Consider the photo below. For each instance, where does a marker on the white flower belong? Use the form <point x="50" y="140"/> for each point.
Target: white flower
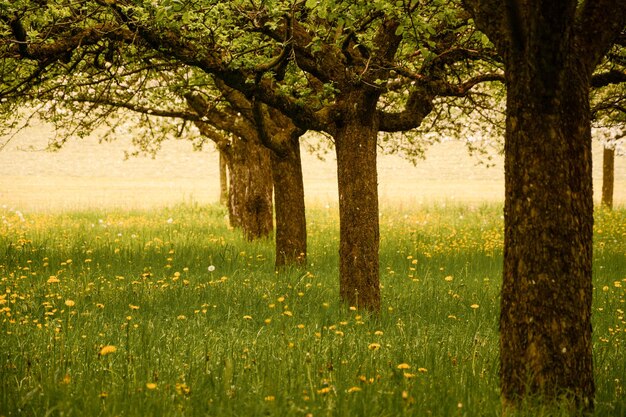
<point x="211" y="268"/>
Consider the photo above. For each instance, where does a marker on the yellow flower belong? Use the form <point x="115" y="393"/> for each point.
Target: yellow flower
<point x="151" y="385"/>
<point x="354" y="389"/>
<point x="404" y="366"/>
<point x="448" y="278"/>
<point x="270" y="398"/>
<point x="132" y="307"/>
<point x="53" y="280"/>
<point x="474" y="306"/>
<point x="324" y="390"/>
<point x="408" y="375"/>
<point x="107" y="349"/>
<point x="373" y="346"/>
<point x="247" y="317"/>
<point x="70" y="303"/>
<point x="422" y="370"/>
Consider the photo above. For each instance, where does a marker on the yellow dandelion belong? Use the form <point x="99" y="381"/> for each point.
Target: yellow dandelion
<point x="107" y="349"/>
<point x="246" y="317"/>
<point x="354" y="389"/>
<point x="404" y="366"/>
<point x="100" y="305"/>
<point x="267" y="321"/>
<point x="270" y="398"/>
<point x="449" y="278"/>
<point x="151" y="385"/>
<point x="408" y="375"/>
<point x="70" y="303"/>
<point x="323" y="391"/>
<point x="288" y="313"/>
<point x="378" y="333"/>
<point x="53" y="280"/>
<point x="422" y="370"/>
<point x="300" y="326"/>
<point x="280" y="299"/>
<point x="67" y="379"/>
<point x="181" y="317"/>
<point x="474" y="306"/>
<point x="103" y="394"/>
<point x="373" y="346"/>
<point x="133" y="307"/>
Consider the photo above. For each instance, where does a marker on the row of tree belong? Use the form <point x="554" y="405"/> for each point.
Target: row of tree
<point x="253" y="76"/>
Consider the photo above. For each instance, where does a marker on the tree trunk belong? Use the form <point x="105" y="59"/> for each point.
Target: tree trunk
<point x="289" y="200"/>
<point x="608" y="177"/>
<point x="545" y="320"/>
<point x="355" y="143"/>
<point x="250" y="197"/>
<point x="223" y="179"/>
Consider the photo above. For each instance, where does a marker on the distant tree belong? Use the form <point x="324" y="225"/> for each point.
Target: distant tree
<point x="550" y="50"/>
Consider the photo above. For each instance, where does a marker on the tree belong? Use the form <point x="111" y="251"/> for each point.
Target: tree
<point x="550" y="50"/>
<point x="326" y="66"/>
<point x="342" y="55"/>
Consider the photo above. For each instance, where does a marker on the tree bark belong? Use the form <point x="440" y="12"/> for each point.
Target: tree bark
<point x="355" y="144"/>
<point x="291" y="239"/>
<point x="250" y="198"/>
<point x="608" y="177"/>
<point x="545" y="320"/>
<point x="223" y="179"/>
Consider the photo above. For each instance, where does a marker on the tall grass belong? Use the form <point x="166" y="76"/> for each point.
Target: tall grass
<point x="117" y="313"/>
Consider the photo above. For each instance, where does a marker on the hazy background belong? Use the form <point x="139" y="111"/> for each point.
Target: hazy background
<point x="86" y="174"/>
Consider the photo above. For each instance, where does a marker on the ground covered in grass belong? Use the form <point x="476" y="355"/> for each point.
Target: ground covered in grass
<point x="170" y="313"/>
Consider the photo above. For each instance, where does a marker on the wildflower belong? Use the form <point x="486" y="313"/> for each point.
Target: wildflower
<point x="474" y="306"/>
<point x="323" y="391"/>
<point x="107" y="349"/>
<point x="373" y="346"/>
<point x="448" y="278"/>
<point x="133" y="307"/>
<point x="181" y="317"/>
<point x="422" y="370"/>
<point x="67" y="379"/>
<point x="182" y="388"/>
<point x="408" y="375"/>
<point x="404" y="366"/>
<point x="300" y="326"/>
<point x="151" y="385"/>
<point x="211" y="268"/>
<point x="354" y="389"/>
<point x="70" y="303"/>
<point x="247" y="317"/>
<point x="378" y="333"/>
<point x="53" y="280"/>
<point x="270" y="398"/>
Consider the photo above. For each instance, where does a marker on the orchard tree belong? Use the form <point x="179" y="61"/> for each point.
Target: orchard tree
<point x="550" y="50"/>
<point x="326" y="65"/>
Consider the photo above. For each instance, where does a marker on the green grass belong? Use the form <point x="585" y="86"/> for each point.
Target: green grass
<point x="244" y="341"/>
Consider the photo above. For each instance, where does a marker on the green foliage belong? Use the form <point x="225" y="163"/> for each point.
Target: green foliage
<point x="242" y="340"/>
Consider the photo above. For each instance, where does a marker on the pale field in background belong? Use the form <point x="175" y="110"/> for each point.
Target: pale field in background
<point x="88" y="174"/>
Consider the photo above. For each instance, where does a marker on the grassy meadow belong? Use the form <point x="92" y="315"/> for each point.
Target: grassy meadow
<point x="167" y="312"/>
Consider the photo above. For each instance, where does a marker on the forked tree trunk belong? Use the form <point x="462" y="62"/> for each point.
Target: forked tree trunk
<point x="608" y="177"/>
<point x="545" y="321"/>
<point x="355" y="143"/>
<point x="223" y="179"/>
<point x="291" y="237"/>
<point x="250" y="199"/>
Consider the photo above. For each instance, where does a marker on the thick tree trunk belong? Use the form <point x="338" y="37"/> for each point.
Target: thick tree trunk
<point x="250" y="198"/>
<point x="223" y="179"/>
<point x="608" y="177"/>
<point x="289" y="201"/>
<point x="355" y="143"/>
<point x="545" y="321"/>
